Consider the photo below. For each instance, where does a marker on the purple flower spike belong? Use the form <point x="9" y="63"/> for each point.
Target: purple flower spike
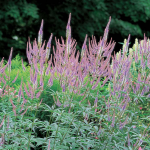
<point x="68" y="25"/>
<point x="63" y="90"/>
<point x="9" y="61"/>
<point x="106" y="30"/>
<point x="24" y="111"/>
<point x="26" y="90"/>
<point x="50" y="81"/>
<point x="48" y="47"/>
<point x="15" y="78"/>
<point x="8" y="124"/>
<point x="68" y="35"/>
<point x="84" y="46"/>
<point x="35" y="78"/>
<point x="38" y="94"/>
<point x="20" y="91"/>
<point x="99" y="132"/>
<point x="31" y="75"/>
<point x="123" y="124"/>
<point x="41" y="81"/>
<point x="40" y="36"/>
<point x="58" y="103"/>
<point x="96" y="100"/>
<point x="123" y="108"/>
<point x="24" y="100"/>
<point x="2" y="122"/>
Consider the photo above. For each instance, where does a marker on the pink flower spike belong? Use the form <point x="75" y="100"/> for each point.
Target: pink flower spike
<point x="40" y="35"/>
<point x="49" y="145"/>
<point x="15" y="78"/>
<point x="2" y="122"/>
<point x="140" y="107"/>
<point x="140" y="148"/>
<point x="9" y="60"/>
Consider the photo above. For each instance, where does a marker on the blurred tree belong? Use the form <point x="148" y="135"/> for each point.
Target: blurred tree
<point x="17" y="20"/>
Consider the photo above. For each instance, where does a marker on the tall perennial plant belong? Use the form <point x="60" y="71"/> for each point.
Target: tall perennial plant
<point x="88" y="112"/>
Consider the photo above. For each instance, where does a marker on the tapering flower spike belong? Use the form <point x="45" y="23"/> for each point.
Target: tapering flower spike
<point x="2" y="122"/>
<point x="9" y="61"/>
<point x="106" y="30"/>
<point x="48" y="47"/>
<point x="68" y="35"/>
<point x="15" y="78"/>
<point x="40" y="35"/>
<point x="125" y="46"/>
<point x="84" y="46"/>
<point x="20" y="90"/>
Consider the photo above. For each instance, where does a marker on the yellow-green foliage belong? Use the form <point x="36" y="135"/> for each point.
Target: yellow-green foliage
<point x="16" y="65"/>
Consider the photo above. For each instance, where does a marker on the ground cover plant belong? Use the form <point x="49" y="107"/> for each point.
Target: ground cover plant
<point x="69" y="106"/>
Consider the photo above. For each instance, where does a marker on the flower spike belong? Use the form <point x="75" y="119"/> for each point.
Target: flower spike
<point x="40" y="36"/>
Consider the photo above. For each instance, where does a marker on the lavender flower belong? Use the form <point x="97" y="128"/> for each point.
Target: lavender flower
<point x="84" y="46"/>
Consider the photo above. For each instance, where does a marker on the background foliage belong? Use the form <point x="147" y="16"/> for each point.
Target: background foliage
<point x="21" y="19"/>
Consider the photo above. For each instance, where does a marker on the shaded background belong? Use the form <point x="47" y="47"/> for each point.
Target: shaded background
<point x="20" y="19"/>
